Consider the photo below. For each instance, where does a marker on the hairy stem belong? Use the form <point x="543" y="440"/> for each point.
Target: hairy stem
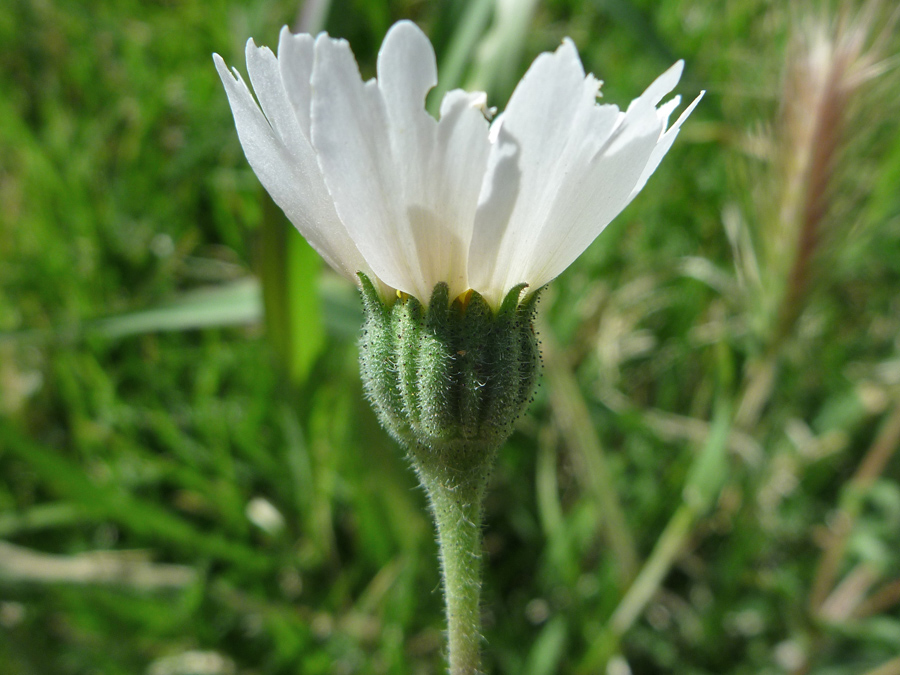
<point x="457" y="513"/>
<point x="456" y="482"/>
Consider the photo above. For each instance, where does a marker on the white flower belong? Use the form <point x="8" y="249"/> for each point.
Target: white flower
<point x="377" y="185"/>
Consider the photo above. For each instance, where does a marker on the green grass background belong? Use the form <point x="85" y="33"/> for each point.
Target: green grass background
<point x="172" y="351"/>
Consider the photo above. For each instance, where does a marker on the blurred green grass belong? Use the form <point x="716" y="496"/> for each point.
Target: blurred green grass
<point x="133" y="423"/>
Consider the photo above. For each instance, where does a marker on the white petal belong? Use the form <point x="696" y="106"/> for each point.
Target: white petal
<point x="641" y="119"/>
<point x="661" y="86"/>
<point x="292" y="179"/>
<point x="407" y="70"/>
<point x="440" y="165"/>
<point x="666" y="109"/>
<point x="552" y="124"/>
<point x="595" y="193"/>
<point x="265" y="76"/>
<point x="458" y="163"/>
<point x="561" y="168"/>
<point x="405" y="185"/>
<point x="295" y="59"/>
<point x="349" y="134"/>
<point x="662" y="147"/>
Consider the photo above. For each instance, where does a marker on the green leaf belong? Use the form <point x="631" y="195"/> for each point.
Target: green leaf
<point x="232" y="304"/>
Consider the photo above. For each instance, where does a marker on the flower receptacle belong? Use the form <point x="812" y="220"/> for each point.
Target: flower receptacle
<point x="453" y="376"/>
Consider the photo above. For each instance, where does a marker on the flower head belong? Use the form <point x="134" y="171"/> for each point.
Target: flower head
<point x="379" y="186"/>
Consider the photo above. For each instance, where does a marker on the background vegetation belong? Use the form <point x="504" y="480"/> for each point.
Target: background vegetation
<point x="706" y="482"/>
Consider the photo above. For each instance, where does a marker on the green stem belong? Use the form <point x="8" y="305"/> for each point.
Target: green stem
<point x="668" y="547"/>
<point x="702" y="486"/>
<point x="456" y="485"/>
<point x="575" y="424"/>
